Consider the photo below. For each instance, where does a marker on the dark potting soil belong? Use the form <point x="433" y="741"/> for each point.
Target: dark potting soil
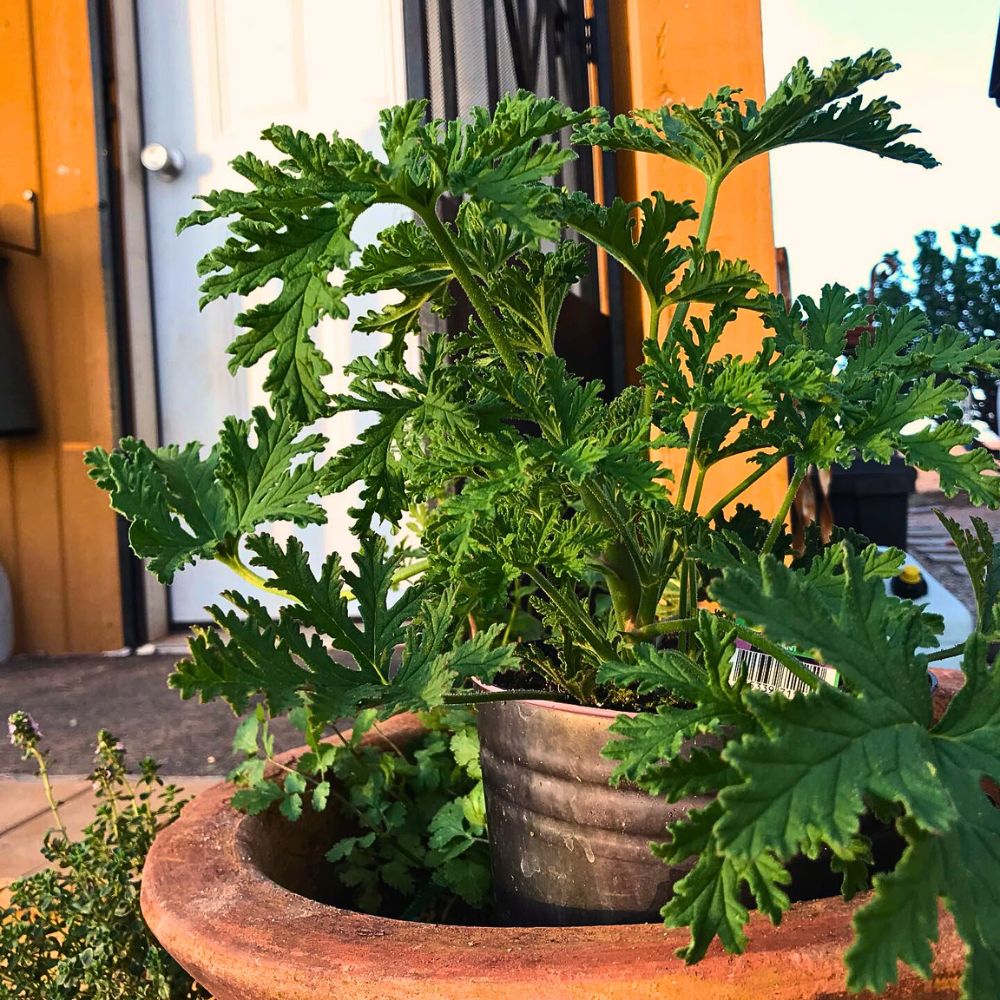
<point x="617" y="699"/>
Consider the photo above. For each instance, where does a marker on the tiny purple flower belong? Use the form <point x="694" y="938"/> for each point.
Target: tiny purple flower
<point x="23" y="730"/>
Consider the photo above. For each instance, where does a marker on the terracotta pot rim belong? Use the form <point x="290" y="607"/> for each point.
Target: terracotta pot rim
<point x="244" y="936"/>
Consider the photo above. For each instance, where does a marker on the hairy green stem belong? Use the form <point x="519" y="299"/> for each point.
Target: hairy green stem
<point x="699" y="484"/>
<point x="651" y="631"/>
<point x="944" y="654"/>
<point x="684" y="608"/>
<point x="739" y="488"/>
<point x="785" y="658"/>
<point x="692" y="447"/>
<point x="43" y="773"/>
<point x="648" y="602"/>
<point x="649" y="393"/>
<point x="232" y="560"/>
<point x="472" y="288"/>
<point x="572" y="612"/>
<point x="677" y="320"/>
<point x="786" y="504"/>
<point x="625" y="583"/>
<point x="704" y="228"/>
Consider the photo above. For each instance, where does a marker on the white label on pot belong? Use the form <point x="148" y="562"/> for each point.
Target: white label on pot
<point x="765" y="673"/>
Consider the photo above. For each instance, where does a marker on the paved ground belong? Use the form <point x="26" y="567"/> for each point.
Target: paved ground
<point x="929" y="542"/>
<point x="25" y="819"/>
<point x="72" y="697"/>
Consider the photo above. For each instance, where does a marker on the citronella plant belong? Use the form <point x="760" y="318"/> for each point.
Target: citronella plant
<point x="541" y="500"/>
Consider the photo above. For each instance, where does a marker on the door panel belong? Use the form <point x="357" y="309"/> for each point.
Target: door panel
<point x="214" y="73"/>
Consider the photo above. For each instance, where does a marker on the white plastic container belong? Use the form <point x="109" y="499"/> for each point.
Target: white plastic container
<point x="939" y="601"/>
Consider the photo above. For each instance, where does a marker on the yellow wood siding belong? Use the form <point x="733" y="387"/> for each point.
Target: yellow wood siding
<point x="678" y="51"/>
<point x="57" y="534"/>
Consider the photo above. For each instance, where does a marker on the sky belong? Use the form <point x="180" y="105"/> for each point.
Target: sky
<point x="837" y="210"/>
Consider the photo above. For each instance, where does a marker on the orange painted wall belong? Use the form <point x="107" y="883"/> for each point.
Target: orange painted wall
<point x="58" y="538"/>
<point x="668" y="51"/>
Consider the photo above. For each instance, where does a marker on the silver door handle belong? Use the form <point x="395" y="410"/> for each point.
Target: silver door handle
<point x="158" y="159"/>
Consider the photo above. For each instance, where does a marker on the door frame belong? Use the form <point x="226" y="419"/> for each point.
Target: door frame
<point x="144" y="600"/>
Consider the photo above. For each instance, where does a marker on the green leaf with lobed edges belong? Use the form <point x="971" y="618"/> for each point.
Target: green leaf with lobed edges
<point x="805" y="107"/>
<point x="184" y="506"/>
<point x="805" y="775"/>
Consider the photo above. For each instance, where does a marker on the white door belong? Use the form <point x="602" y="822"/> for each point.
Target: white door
<point x="214" y="73"/>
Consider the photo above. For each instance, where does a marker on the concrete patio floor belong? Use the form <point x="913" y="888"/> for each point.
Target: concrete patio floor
<point x="25" y="818"/>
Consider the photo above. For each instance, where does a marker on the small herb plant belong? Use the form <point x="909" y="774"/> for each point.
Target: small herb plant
<point x="553" y="544"/>
<point x="419" y="850"/>
<point x="75" y="929"/>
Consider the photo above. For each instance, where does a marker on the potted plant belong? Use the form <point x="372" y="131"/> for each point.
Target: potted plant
<point x="767" y="706"/>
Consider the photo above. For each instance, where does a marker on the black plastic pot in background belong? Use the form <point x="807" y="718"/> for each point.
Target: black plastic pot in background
<point x="874" y="499"/>
<point x="871" y="498"/>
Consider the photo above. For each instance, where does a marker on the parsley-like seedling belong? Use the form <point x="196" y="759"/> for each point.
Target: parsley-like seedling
<point x="549" y="539"/>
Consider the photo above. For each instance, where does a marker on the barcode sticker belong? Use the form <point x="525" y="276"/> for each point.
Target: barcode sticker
<point x="765" y="673"/>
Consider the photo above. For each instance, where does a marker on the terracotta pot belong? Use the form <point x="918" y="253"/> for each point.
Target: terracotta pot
<point x="223" y="893"/>
<point x="567" y="848"/>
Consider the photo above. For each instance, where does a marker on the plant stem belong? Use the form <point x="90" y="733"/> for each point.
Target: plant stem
<point x="698" y="485"/>
<point x="779" y="519"/>
<point x="649" y="392"/>
<point x="704" y="228"/>
<point x="378" y="729"/>
<point x="235" y="563"/>
<point x="572" y="612"/>
<point x="684" y="607"/>
<point x="241" y="569"/>
<point x="43" y="773"/>
<point x="689" y="458"/>
<point x="677" y="320"/>
<point x="406" y="573"/>
<point x="472" y="288"/>
<point x="663" y="628"/>
<point x="944" y="654"/>
<point x="781" y="655"/>
<point x="744" y="485"/>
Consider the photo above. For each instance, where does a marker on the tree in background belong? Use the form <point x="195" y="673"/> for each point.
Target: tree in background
<point x="962" y="291"/>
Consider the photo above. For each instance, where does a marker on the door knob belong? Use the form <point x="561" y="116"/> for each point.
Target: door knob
<point x="158" y="159"/>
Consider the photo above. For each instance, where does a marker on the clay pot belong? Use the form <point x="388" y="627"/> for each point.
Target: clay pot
<point x="567" y="848"/>
<point x="225" y="895"/>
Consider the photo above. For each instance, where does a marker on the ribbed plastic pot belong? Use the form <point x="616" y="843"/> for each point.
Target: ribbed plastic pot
<point x="567" y="848"/>
<point x="231" y="898"/>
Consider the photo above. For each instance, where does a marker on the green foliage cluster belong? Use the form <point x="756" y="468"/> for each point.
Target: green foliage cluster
<point x="804" y="770"/>
<point x="75" y="929"/>
<point x="551" y="539"/>
<point x="416" y="812"/>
